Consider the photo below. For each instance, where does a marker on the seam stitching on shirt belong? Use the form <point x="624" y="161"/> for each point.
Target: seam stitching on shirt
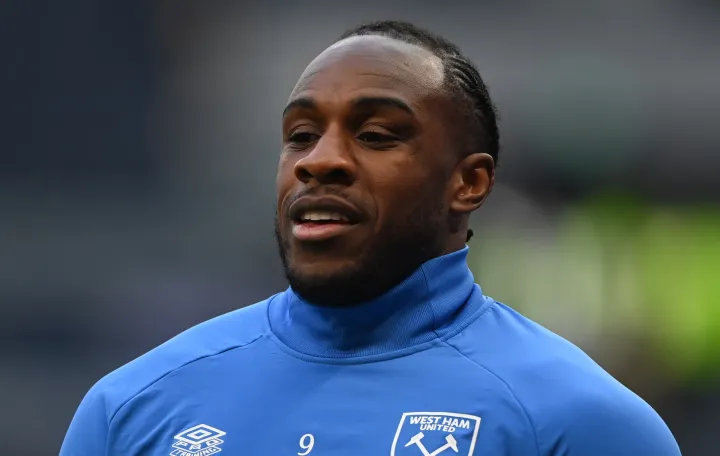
<point x="356" y="361"/>
<point x="264" y="334"/>
<point x="432" y="306"/>
<point x="510" y="390"/>
<point x="470" y="319"/>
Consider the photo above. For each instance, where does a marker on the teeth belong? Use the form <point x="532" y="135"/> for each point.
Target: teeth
<point x="319" y="216"/>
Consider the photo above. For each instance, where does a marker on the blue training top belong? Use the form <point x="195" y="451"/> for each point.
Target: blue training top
<point x="432" y="368"/>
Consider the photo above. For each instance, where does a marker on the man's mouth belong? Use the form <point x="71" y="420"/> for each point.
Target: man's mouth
<point x="323" y="217"/>
<point x="318" y="219"/>
<point x="319" y="231"/>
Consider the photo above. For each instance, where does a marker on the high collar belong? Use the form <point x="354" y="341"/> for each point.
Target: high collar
<point x="413" y="312"/>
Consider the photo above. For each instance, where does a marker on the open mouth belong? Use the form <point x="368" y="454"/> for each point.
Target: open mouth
<point x="317" y="219"/>
<point x="323" y="217"/>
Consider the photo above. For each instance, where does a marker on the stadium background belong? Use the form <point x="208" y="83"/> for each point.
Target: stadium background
<point x="139" y="145"/>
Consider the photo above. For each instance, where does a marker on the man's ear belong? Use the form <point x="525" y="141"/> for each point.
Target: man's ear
<point x="472" y="182"/>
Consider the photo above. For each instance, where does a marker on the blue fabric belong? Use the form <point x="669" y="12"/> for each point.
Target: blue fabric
<point x="433" y="367"/>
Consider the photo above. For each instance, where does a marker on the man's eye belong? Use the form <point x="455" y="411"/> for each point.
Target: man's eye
<point x="372" y="137"/>
<point x="302" y="137"/>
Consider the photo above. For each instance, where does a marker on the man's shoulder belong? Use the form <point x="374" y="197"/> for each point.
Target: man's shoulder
<point x="563" y="391"/>
<point x="512" y="345"/>
<point x="235" y="329"/>
<point x="532" y="360"/>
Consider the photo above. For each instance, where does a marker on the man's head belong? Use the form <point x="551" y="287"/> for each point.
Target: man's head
<point x="389" y="143"/>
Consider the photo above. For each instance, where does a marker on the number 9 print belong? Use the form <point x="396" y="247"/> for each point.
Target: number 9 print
<point x="307" y="442"/>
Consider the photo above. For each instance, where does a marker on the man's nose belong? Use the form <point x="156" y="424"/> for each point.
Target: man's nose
<point x="329" y="162"/>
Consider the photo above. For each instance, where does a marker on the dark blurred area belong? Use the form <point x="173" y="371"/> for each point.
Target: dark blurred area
<point x="140" y="142"/>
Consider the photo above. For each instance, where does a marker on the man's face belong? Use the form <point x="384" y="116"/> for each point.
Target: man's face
<point x="362" y="177"/>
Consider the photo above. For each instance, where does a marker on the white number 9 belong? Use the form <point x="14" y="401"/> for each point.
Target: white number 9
<point x="307" y="442"/>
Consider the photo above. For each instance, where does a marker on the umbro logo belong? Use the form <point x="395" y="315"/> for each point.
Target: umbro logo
<point x="200" y="440"/>
<point x="435" y="434"/>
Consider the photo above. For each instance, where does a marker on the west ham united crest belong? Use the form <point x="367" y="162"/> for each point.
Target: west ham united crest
<point x="435" y="434"/>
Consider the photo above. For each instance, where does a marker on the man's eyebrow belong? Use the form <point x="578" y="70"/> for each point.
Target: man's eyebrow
<point x="377" y="102"/>
<point x="303" y="103"/>
<point x="359" y="103"/>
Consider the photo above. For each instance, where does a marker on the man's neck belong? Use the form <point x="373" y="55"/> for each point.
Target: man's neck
<point x="408" y="314"/>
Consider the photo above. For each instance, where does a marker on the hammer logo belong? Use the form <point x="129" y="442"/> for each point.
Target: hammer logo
<point x="436" y="434"/>
<point x="417" y="440"/>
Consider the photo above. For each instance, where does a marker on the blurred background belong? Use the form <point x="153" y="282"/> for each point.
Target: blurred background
<point x="139" y="149"/>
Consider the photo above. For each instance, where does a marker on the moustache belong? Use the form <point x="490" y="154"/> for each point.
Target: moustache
<point x="317" y="192"/>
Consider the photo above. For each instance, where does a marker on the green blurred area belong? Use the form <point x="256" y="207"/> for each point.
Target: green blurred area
<point x="613" y="270"/>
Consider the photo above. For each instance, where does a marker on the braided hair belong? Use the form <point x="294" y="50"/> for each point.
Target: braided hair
<point x="461" y="78"/>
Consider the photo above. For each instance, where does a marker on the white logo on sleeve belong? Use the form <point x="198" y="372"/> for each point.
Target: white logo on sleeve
<point x="200" y="440"/>
<point x="435" y="434"/>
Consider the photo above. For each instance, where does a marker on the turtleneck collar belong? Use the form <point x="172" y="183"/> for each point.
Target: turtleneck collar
<point x="416" y="311"/>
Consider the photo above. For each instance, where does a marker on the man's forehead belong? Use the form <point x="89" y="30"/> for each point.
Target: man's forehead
<point x="377" y="57"/>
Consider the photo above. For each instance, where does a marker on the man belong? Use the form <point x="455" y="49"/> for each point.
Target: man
<point x="383" y="344"/>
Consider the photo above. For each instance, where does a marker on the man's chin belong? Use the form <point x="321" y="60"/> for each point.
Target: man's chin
<point x="350" y="270"/>
<point x="333" y="284"/>
<point x="321" y="273"/>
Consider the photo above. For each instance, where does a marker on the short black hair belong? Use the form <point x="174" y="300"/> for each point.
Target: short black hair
<point x="462" y="78"/>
